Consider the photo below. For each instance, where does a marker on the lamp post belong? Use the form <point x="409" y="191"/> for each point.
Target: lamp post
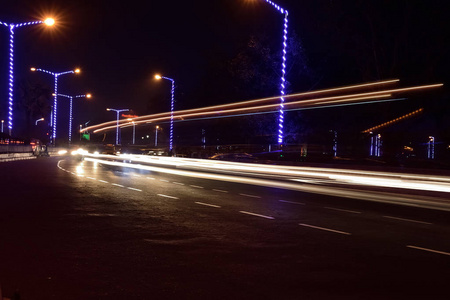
<point x="156" y="136"/>
<point x="12" y="27"/>
<point x="3" y="121"/>
<point x="134" y="130"/>
<point x="71" y="109"/>
<point x="55" y="101"/>
<point x="118" y="111"/>
<point x="171" y="109"/>
<point x="283" y="73"/>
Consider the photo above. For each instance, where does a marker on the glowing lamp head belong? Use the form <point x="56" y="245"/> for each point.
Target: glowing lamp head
<point x="88" y="95"/>
<point x="158" y="77"/>
<point x="33" y="69"/>
<point x="77" y="71"/>
<point x="53" y="94"/>
<point x="49" y="22"/>
<point x="108" y="109"/>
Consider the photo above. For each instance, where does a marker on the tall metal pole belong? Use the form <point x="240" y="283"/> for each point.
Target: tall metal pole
<point x="172" y="104"/>
<point x="12" y="27"/>
<point x="118" y="111"/>
<point x="55" y="101"/>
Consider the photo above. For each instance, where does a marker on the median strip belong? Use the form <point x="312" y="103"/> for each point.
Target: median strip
<point x="325" y="229"/>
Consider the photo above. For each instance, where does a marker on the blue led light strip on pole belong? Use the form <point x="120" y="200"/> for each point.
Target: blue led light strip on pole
<point x="118" y="111"/>
<point x="71" y="110"/>
<point x="171" y="110"/>
<point x="283" y="73"/>
<point x="55" y="101"/>
<point x="11" y="68"/>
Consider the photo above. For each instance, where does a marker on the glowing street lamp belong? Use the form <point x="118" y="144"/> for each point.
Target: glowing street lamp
<point x="71" y="109"/>
<point x="158" y="77"/>
<point x="118" y="111"/>
<point x="12" y="27"/>
<point x="156" y="136"/>
<point x="41" y="119"/>
<point x="283" y="72"/>
<point x="3" y="121"/>
<point x="55" y="101"/>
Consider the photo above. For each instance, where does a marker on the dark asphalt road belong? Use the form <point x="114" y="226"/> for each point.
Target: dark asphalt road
<point x="80" y="231"/>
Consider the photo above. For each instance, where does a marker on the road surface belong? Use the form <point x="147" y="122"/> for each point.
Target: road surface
<point x="72" y="229"/>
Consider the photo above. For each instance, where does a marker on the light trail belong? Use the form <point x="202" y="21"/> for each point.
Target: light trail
<point x="354" y="184"/>
<point x="218" y="109"/>
<point x="140" y="120"/>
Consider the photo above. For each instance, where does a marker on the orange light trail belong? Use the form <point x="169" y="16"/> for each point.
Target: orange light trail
<point x="219" y="109"/>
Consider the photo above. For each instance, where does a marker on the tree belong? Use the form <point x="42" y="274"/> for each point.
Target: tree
<point x="35" y="103"/>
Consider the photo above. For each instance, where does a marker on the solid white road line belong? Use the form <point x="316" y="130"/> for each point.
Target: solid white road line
<point x="119" y="185"/>
<point x="251" y="196"/>
<point x="196" y="186"/>
<point x="220" y="191"/>
<point x="166" y="196"/>
<point x="408" y="220"/>
<point x="130" y="188"/>
<point x="326" y="229"/>
<point x="257" y="215"/>
<point x="429" y="250"/>
<point x="206" y="204"/>
<point x="284" y="201"/>
<point x="344" y="210"/>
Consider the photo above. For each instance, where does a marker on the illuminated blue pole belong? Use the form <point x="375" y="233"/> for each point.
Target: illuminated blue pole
<point x="71" y="110"/>
<point x="283" y="73"/>
<point x="12" y="27"/>
<point x="118" y="111"/>
<point x="55" y="101"/>
<point x="171" y="109"/>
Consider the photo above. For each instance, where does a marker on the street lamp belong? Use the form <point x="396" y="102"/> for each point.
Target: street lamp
<point x="158" y="77"/>
<point x="3" y="121"/>
<point x="156" y="136"/>
<point x="283" y="72"/>
<point x="41" y="119"/>
<point x="118" y="111"/>
<point x="12" y="27"/>
<point x="55" y="103"/>
<point x="134" y="129"/>
<point x="71" y="109"/>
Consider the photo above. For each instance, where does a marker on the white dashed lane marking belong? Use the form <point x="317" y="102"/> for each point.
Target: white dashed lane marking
<point x="207" y="204"/>
<point x="251" y="196"/>
<point x="428" y="250"/>
<point x="407" y="220"/>
<point x="325" y="229"/>
<point x="256" y="215"/>
<point x="344" y="210"/>
<point x="166" y="196"/>
<point x="292" y="202"/>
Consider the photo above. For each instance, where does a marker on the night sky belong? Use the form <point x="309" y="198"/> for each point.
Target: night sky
<point x="121" y="45"/>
